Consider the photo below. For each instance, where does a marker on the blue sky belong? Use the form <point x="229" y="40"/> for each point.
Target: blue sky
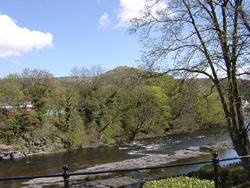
<point x="56" y="35"/>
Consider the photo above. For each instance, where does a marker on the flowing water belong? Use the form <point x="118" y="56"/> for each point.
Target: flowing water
<point x="81" y="159"/>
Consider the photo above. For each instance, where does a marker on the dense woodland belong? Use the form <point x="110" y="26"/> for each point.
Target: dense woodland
<point x="91" y="106"/>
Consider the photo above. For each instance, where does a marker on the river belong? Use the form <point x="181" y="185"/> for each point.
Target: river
<point x="83" y="158"/>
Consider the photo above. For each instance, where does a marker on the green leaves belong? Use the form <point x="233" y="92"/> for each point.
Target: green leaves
<point x="179" y="182"/>
<point x="122" y="104"/>
<point x="209" y="107"/>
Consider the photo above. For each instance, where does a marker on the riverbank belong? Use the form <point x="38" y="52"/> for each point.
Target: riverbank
<point x="152" y="160"/>
<point x="41" y="147"/>
<point x="14" y="152"/>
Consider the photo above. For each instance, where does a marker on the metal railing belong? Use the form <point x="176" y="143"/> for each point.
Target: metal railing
<point x="66" y="174"/>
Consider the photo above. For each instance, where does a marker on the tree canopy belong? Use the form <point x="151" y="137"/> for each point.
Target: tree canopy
<point x="121" y="104"/>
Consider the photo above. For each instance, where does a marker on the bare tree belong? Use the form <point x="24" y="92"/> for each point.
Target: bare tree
<point x="201" y="37"/>
<point x="85" y="76"/>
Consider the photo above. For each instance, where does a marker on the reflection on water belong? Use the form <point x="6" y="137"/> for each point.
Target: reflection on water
<point x="185" y="169"/>
<point x="226" y="154"/>
<point x="52" y="163"/>
<point x="162" y="173"/>
<point x="80" y="159"/>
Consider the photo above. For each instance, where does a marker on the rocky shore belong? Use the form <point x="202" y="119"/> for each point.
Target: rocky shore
<point x="12" y="152"/>
<point x="108" y="181"/>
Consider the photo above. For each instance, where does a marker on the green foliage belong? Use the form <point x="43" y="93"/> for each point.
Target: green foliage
<point x="15" y="125"/>
<point x="239" y="176"/>
<point x="144" y="109"/>
<point x="207" y="172"/>
<point x="227" y="178"/>
<point x="45" y="94"/>
<point x="65" y="110"/>
<point x="158" y="110"/>
<point x="75" y="138"/>
<point x="89" y="106"/>
<point x="126" y="101"/>
<point x="10" y="92"/>
<point x="122" y="104"/>
<point x="20" y="145"/>
<point x="111" y="133"/>
<point x="209" y="107"/>
<point x="14" y="131"/>
<point x="247" y="168"/>
<point x="70" y="104"/>
<point x="70" y="125"/>
<point x="181" y="98"/>
<point x="179" y="182"/>
<point x="37" y="86"/>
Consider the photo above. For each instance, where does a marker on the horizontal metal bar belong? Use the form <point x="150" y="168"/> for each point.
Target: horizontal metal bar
<point x="235" y="158"/>
<point x="31" y="177"/>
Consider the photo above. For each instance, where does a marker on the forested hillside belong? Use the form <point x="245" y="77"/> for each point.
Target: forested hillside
<point x="121" y="104"/>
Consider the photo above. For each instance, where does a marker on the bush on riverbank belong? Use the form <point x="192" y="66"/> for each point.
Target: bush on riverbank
<point x="207" y="172"/>
<point x="180" y="182"/>
<point x="231" y="176"/>
<point x="228" y="177"/>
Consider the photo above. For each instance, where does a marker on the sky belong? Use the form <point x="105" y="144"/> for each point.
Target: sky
<point x="57" y="35"/>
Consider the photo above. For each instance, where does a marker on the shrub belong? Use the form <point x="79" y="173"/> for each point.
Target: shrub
<point x="179" y="182"/>
<point x="207" y="172"/>
<point x="239" y="176"/>
<point x="248" y="169"/>
<point x="224" y="177"/>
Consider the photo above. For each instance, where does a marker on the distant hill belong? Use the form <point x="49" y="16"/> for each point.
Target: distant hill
<point x="127" y="75"/>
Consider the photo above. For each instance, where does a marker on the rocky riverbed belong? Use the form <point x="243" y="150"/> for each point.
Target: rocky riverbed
<point x="109" y="181"/>
<point x="12" y="152"/>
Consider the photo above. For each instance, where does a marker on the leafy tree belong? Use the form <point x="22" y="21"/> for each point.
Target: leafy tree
<point x="145" y="110"/>
<point x="202" y="37"/>
<point x="16" y="121"/>
<point x="180" y="100"/>
<point x="87" y="85"/>
<point x="65" y="109"/>
<point x="38" y="87"/>
<point x="10" y="92"/>
<point x="110" y="126"/>
<point x="71" y="99"/>
<point x="209" y="110"/>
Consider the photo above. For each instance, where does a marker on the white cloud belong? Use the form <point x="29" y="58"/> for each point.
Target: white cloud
<point x="16" y="41"/>
<point x="129" y="9"/>
<point x="104" y="20"/>
<point x="134" y="8"/>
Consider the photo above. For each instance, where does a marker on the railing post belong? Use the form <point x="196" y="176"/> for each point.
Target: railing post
<point x="66" y="176"/>
<point x="216" y="164"/>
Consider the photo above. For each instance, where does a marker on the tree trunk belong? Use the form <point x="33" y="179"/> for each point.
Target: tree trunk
<point x="241" y="144"/>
